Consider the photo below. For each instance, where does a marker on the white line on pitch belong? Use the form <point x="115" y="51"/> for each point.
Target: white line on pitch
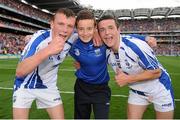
<point x="69" y="92"/>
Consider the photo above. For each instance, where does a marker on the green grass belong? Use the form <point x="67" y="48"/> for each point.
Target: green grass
<point x="66" y="81"/>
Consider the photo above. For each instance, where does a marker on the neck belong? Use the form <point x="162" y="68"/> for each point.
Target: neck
<point x="115" y="48"/>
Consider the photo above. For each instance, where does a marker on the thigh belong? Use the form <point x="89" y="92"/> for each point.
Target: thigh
<point x="23" y="98"/>
<point x="20" y="113"/>
<point x="137" y="105"/>
<point x="47" y="98"/>
<point x="101" y="110"/>
<point x="135" y="111"/>
<point x="56" y="112"/>
<point x="165" y="115"/>
<point x="163" y="101"/>
<point x="82" y="111"/>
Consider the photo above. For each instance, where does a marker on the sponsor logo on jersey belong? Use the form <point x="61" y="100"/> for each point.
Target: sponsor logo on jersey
<point x="97" y="52"/>
<point x="128" y="65"/>
<point x="77" y="53"/>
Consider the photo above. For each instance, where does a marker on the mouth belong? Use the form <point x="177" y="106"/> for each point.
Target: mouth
<point x="108" y="38"/>
<point x="63" y="36"/>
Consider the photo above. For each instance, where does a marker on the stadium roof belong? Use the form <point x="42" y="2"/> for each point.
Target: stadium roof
<point x="142" y="12"/>
<point x="53" y="5"/>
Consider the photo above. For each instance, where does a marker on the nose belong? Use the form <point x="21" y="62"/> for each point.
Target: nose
<point x="65" y="29"/>
<point x="106" y="31"/>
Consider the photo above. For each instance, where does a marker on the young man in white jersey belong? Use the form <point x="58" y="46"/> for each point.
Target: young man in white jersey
<point x="36" y="73"/>
<point x="136" y="65"/>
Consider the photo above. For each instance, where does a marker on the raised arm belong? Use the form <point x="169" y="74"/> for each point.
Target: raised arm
<point x="30" y="63"/>
<point x="151" y="41"/>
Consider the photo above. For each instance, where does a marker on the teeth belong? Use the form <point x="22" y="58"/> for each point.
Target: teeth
<point x="63" y="36"/>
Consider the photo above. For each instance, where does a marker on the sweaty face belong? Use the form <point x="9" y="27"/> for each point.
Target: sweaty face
<point x="85" y="29"/>
<point x="109" y="32"/>
<point x="62" y="26"/>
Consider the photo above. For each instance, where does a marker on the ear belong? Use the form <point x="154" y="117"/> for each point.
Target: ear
<point x="119" y="30"/>
<point x="51" y="24"/>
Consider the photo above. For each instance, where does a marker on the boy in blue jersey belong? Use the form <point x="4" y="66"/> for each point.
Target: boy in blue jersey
<point x="137" y="66"/>
<point x="91" y="88"/>
<point x="36" y="73"/>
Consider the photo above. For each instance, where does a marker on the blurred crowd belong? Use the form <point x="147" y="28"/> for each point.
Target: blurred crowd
<point x="17" y="26"/>
<point x="11" y="43"/>
<point x="156" y="25"/>
<point x="26" y="9"/>
<point x="14" y="44"/>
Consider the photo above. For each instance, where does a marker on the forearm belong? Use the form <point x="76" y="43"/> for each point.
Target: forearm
<point x="145" y="75"/>
<point x="29" y="64"/>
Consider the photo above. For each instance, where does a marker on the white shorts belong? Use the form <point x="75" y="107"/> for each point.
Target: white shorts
<point x="45" y="98"/>
<point x="162" y="100"/>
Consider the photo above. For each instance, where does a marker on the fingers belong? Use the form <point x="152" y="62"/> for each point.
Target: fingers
<point x="118" y="71"/>
<point x="96" y="39"/>
<point x="77" y="65"/>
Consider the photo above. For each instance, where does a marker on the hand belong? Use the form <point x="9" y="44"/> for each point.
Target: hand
<point x="151" y="41"/>
<point x="121" y="78"/>
<point x="96" y="39"/>
<point x="56" y="45"/>
<point x="77" y="65"/>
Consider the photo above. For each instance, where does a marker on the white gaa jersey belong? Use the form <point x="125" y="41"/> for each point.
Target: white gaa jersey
<point x="45" y="75"/>
<point x="133" y="57"/>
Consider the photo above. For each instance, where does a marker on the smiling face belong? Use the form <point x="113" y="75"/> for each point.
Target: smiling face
<point x="109" y="33"/>
<point x="85" y="24"/>
<point x="62" y="25"/>
<point x="85" y="29"/>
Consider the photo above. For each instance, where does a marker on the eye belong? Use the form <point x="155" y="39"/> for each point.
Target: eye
<point x="101" y="30"/>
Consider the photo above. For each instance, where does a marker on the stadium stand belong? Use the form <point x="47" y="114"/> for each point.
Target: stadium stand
<point x="18" y="19"/>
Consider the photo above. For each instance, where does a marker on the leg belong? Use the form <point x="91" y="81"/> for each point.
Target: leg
<point x="20" y="113"/>
<point x="101" y="111"/>
<point x="135" y="111"/>
<point x="164" y="115"/>
<point x="56" y="112"/>
<point x="82" y="111"/>
<point x="82" y="102"/>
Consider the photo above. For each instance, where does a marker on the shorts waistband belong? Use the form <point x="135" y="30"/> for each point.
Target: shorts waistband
<point x="84" y="82"/>
<point x="138" y="92"/>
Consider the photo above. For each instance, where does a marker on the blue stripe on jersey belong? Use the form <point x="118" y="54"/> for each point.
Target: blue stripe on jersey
<point x="153" y="61"/>
<point x="26" y="85"/>
<point x="36" y="42"/>
<point x="165" y="80"/>
<point x="141" y="55"/>
<point x="69" y="43"/>
<point x="18" y="81"/>
<point x="35" y="81"/>
<point x="172" y="94"/>
<point x="127" y="54"/>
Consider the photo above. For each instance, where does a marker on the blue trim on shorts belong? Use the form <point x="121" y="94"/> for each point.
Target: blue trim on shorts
<point x="138" y="92"/>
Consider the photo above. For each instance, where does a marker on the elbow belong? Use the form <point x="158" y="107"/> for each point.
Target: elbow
<point x="19" y="73"/>
<point x="159" y="72"/>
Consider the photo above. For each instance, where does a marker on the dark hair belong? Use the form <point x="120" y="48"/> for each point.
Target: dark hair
<point x="111" y="17"/>
<point x="85" y="14"/>
<point x="66" y="11"/>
